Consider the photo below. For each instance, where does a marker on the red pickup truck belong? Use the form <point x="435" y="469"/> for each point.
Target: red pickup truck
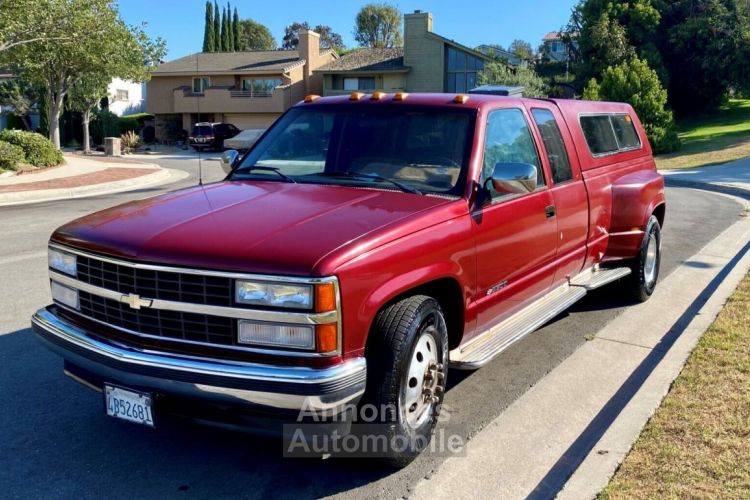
<point x="361" y="248"/>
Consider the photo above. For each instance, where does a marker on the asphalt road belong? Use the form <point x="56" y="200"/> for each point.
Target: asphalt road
<point x="55" y="441"/>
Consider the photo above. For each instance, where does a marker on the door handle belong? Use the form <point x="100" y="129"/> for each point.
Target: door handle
<point x="550" y="211"/>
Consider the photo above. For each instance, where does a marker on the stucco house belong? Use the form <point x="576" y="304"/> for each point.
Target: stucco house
<point x="427" y="62"/>
<point x="126" y="97"/>
<point x="249" y="89"/>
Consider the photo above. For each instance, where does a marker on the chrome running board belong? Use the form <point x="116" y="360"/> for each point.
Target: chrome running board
<point x="596" y="277"/>
<point x="483" y="348"/>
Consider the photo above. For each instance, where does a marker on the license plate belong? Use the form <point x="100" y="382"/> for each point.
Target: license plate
<point x="128" y="405"/>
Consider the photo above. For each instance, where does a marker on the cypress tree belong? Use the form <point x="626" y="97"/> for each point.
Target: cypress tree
<point x="217" y="28"/>
<point x="238" y="44"/>
<point x="209" y="44"/>
<point x="43" y="112"/>
<point x="230" y="30"/>
<point x="224" y="31"/>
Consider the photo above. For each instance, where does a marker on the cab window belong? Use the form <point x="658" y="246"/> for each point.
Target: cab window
<point x="553" y="142"/>
<point x="508" y="140"/>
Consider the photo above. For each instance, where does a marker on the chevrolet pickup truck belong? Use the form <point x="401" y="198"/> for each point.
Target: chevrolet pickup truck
<point x="364" y="246"/>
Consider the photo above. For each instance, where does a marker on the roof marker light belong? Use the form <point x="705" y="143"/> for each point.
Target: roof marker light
<point x="356" y="96"/>
<point x="311" y="97"/>
<point x="376" y="96"/>
<point x="461" y="99"/>
<point x="400" y="96"/>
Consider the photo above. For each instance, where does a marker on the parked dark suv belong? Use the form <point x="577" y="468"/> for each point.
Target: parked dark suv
<point x="206" y="135"/>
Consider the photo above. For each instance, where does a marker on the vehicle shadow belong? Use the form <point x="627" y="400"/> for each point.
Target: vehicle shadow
<point x="50" y="423"/>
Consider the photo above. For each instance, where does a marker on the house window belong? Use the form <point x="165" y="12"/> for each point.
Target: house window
<point x="200" y="84"/>
<point x="461" y="70"/>
<point x="359" y="83"/>
<point x="121" y="95"/>
<point x="260" y="85"/>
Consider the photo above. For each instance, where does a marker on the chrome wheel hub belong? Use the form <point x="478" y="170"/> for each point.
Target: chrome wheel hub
<point x="424" y="383"/>
<point x="649" y="266"/>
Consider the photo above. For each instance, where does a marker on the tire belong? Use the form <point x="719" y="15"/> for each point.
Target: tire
<point x="644" y="267"/>
<point x="408" y="355"/>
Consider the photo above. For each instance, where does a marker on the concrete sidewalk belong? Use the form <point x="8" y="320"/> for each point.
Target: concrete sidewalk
<point x="83" y="176"/>
<point x="730" y="178"/>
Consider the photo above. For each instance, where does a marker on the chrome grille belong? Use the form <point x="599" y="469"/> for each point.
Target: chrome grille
<point x="159" y="323"/>
<point x="162" y="285"/>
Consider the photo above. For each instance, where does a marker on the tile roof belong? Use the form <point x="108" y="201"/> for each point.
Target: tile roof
<point x="232" y="62"/>
<point x="552" y="35"/>
<point x="368" y="60"/>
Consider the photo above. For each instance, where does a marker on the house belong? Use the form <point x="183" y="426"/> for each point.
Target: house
<point x="249" y="89"/>
<point x="427" y="62"/>
<point x="554" y="49"/>
<point x="500" y="53"/>
<point x="126" y="97"/>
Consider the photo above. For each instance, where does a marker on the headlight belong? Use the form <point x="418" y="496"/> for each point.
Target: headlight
<point x="62" y="261"/>
<point x="276" y="335"/>
<point x="272" y="294"/>
<point x="64" y="295"/>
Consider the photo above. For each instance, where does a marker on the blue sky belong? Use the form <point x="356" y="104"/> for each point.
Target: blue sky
<point x="180" y="22"/>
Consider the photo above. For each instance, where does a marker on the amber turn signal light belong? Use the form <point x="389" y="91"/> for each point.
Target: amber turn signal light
<point x="376" y="96"/>
<point x="356" y="96"/>
<point x="400" y="96"/>
<point x="326" y="337"/>
<point x="460" y="98"/>
<point x="325" y="297"/>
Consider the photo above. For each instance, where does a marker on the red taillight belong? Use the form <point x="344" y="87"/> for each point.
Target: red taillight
<point x="190" y="138"/>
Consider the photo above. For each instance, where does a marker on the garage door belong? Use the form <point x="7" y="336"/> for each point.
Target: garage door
<point x="250" y="120"/>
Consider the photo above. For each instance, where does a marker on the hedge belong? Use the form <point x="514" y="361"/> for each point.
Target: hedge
<point x="37" y="149"/>
<point x="10" y="156"/>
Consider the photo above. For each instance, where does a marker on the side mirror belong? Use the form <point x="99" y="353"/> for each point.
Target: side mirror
<point x="514" y="178"/>
<point x="228" y="159"/>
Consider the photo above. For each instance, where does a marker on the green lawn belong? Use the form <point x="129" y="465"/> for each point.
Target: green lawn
<point x="712" y="139"/>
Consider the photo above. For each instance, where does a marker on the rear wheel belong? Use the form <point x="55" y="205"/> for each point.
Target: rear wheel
<point x="407" y="369"/>
<point x="645" y="266"/>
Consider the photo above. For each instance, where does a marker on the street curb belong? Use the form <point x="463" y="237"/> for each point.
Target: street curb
<point x="161" y="176"/>
<point x="569" y="432"/>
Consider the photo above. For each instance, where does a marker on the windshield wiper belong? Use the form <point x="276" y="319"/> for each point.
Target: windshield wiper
<point x="266" y="169"/>
<point x="361" y="175"/>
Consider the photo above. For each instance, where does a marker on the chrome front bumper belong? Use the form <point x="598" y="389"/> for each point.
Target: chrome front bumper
<point x="232" y="383"/>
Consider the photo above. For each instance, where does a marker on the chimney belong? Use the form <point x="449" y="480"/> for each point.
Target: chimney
<point x="309" y="50"/>
<point x="416" y="24"/>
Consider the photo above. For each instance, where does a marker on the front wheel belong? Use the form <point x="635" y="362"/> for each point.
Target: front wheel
<point x="407" y="362"/>
<point x="645" y="266"/>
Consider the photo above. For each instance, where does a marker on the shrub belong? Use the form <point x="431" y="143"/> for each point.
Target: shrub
<point x="37" y="149"/>
<point x="498" y="73"/>
<point x="133" y="122"/>
<point x="104" y="124"/>
<point x="10" y="156"/>
<point x="634" y="82"/>
<point x="130" y="141"/>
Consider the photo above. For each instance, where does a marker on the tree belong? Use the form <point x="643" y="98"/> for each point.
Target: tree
<point x="255" y="36"/>
<point x="230" y="31"/>
<point x="217" y="28"/>
<point x="522" y="49"/>
<point x="378" y="25"/>
<point x="224" y="31"/>
<point x="329" y="39"/>
<point x="634" y="82"/>
<point x="236" y="31"/>
<point x="104" y="45"/>
<point x="499" y="73"/>
<point x="208" y="31"/>
<point x="21" y="97"/>
<point x="27" y="21"/>
<point x="85" y="95"/>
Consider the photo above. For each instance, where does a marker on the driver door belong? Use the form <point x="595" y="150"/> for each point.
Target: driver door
<point x="515" y="234"/>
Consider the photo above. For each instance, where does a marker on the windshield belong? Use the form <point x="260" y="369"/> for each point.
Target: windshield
<point x="421" y="149"/>
<point x="203" y="130"/>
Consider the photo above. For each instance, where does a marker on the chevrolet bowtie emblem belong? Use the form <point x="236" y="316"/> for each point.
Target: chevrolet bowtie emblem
<point x="135" y="301"/>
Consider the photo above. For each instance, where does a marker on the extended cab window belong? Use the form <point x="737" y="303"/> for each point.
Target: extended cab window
<point x="553" y="143"/>
<point x="508" y="140"/>
<point x="609" y="133"/>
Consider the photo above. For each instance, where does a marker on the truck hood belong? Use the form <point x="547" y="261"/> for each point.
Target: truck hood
<point x="257" y="227"/>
